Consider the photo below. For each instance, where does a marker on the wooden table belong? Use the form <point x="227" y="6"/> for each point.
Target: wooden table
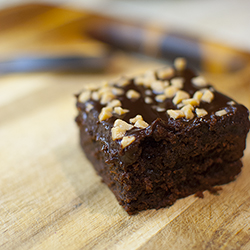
<point x="50" y="196"/>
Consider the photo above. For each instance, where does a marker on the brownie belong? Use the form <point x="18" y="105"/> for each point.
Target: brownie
<point x="161" y="136"/>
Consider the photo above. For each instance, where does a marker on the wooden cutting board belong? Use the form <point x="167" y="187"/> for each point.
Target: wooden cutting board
<point x="51" y="198"/>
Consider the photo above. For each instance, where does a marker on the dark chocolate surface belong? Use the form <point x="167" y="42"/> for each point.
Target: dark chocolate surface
<point x="154" y="118"/>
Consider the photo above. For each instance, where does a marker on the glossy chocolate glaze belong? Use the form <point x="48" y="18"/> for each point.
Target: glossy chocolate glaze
<point x="155" y="118"/>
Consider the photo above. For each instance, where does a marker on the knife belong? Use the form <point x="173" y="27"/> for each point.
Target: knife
<point x="58" y="63"/>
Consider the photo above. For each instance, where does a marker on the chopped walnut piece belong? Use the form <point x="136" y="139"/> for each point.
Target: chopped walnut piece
<point x="122" y="124"/>
<point x="160" y="98"/>
<point x="231" y="103"/>
<point x="170" y="91"/>
<point x="95" y="96"/>
<point x="180" y="95"/>
<point x="143" y="80"/>
<point x="175" y="113"/>
<point x="160" y="109"/>
<point x="106" y="97"/>
<point x="180" y="63"/>
<point x="148" y="92"/>
<point x="104" y="89"/>
<point x="207" y="96"/>
<point x="221" y="112"/>
<point x="105" y="113"/>
<point x="157" y="87"/>
<point x="200" y="112"/>
<point x="84" y="96"/>
<point x="180" y="105"/>
<point x="148" y="100"/>
<point x="166" y="83"/>
<point x="120" y="111"/>
<point x="135" y="119"/>
<point x="199" y="81"/>
<point x="89" y="106"/>
<point x="192" y="101"/>
<point x="117" y="91"/>
<point x="188" y="111"/>
<point x="115" y="103"/>
<point x="139" y="80"/>
<point x="146" y="79"/>
<point x="177" y="82"/>
<point x="150" y="74"/>
<point x="165" y="73"/>
<point x="197" y="95"/>
<point x="127" y="140"/>
<point x="132" y="94"/>
<point x="117" y="133"/>
<point x="123" y="82"/>
<point x="141" y="124"/>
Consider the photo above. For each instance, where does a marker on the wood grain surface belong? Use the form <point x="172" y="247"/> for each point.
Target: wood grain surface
<point x="50" y="196"/>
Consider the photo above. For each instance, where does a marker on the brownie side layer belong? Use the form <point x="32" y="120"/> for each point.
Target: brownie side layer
<point x="170" y="158"/>
<point x="169" y="165"/>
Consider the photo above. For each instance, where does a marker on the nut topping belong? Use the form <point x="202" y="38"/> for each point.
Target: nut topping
<point x="200" y="112"/>
<point x="132" y="94"/>
<point x="148" y="100"/>
<point x="157" y="87"/>
<point x="115" y="103"/>
<point x="166" y="83"/>
<point x="104" y="89"/>
<point x="180" y="63"/>
<point x="199" y="81"/>
<point x="89" y="106"/>
<point x="175" y="113"/>
<point x="165" y="73"/>
<point x="84" y="96"/>
<point x="221" y="112"/>
<point x="197" y="95"/>
<point x="123" y="82"/>
<point x="139" y="80"/>
<point x="159" y="109"/>
<point x="122" y="124"/>
<point x="141" y="124"/>
<point x="95" y="96"/>
<point x="180" y="95"/>
<point x="160" y="98"/>
<point x="117" y="91"/>
<point x="148" y="92"/>
<point x="119" y="129"/>
<point x="208" y="96"/>
<point x="117" y="133"/>
<point x="127" y="140"/>
<point x="170" y="91"/>
<point x="231" y="103"/>
<point x="177" y="82"/>
<point x="135" y="119"/>
<point x="188" y="111"/>
<point x="120" y="111"/>
<point x="105" y="113"/>
<point x="192" y="101"/>
<point x="106" y="97"/>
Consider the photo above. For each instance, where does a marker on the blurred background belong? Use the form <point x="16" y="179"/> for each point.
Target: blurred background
<point x="213" y="35"/>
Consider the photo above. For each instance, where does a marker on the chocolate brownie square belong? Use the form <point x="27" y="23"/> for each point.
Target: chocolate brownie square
<point x="161" y="136"/>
